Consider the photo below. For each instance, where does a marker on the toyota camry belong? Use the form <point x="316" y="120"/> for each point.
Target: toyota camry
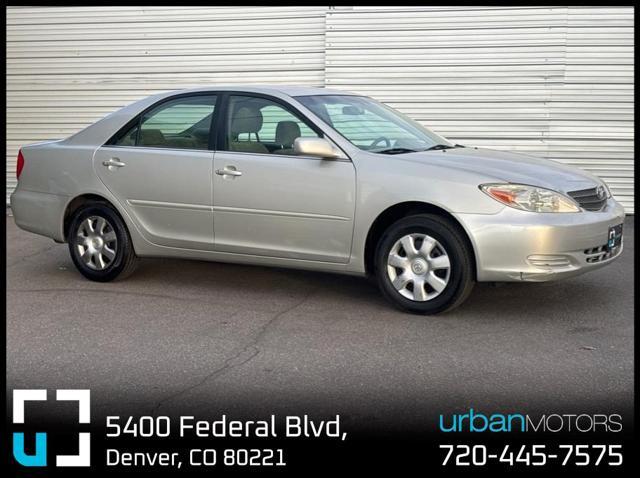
<point x="316" y="179"/>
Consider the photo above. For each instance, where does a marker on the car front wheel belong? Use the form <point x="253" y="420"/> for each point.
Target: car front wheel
<point x="424" y="265"/>
<point x="99" y="244"/>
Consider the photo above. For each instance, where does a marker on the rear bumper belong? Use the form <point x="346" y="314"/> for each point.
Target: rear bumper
<point x="515" y="245"/>
<point x="40" y="213"/>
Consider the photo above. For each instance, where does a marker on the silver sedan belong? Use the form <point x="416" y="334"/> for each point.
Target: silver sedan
<point x="316" y="179"/>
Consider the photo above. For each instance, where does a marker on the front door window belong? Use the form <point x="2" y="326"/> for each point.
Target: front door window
<point x="259" y="125"/>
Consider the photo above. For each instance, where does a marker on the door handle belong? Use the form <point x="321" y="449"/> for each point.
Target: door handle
<point x="113" y="163"/>
<point x="228" y="171"/>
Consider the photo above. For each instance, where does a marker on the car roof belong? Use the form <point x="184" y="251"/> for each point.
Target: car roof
<point x="269" y="89"/>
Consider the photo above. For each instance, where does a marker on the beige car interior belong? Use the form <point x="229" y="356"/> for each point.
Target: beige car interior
<point x="246" y="124"/>
<point x="154" y="138"/>
<point x="286" y="133"/>
<point x="247" y="120"/>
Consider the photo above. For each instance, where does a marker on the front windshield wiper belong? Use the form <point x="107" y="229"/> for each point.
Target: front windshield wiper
<point x="408" y="150"/>
<point x="439" y="146"/>
<point x="396" y="151"/>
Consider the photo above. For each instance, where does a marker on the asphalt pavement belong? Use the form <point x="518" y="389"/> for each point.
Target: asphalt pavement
<point x="184" y="336"/>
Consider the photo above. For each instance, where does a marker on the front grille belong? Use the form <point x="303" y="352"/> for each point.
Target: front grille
<point x="588" y="199"/>
<point x="601" y="253"/>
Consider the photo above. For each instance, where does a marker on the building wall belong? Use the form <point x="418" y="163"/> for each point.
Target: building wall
<point x="69" y="66"/>
<point x="556" y="82"/>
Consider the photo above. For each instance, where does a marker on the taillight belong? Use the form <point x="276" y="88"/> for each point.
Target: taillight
<point x="19" y="164"/>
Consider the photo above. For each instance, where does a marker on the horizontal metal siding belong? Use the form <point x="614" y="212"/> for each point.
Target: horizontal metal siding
<point x="69" y="66"/>
<point x="556" y="82"/>
<point x="596" y="131"/>
<point x="551" y="81"/>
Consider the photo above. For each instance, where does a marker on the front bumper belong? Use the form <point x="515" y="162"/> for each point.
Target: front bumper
<point x="515" y="245"/>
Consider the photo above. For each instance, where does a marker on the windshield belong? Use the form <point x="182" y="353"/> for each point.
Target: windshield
<point x="372" y="126"/>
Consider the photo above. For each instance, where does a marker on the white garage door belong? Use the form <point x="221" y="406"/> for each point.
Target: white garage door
<point x="68" y="67"/>
<point x="555" y="82"/>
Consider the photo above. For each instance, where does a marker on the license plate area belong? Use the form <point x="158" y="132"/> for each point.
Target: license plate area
<point x="614" y="237"/>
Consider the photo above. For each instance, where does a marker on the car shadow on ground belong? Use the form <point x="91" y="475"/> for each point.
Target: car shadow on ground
<point x="522" y="301"/>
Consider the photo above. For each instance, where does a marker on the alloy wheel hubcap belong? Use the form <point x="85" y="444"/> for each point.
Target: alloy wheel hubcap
<point x="418" y="267"/>
<point x="96" y="242"/>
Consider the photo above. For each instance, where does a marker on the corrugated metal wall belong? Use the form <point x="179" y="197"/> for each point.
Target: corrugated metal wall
<point x="69" y="66"/>
<point x="556" y="82"/>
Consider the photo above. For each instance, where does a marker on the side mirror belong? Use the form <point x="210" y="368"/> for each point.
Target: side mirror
<point x="318" y="147"/>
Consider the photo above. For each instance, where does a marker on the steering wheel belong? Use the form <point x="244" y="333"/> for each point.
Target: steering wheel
<point x="381" y="138"/>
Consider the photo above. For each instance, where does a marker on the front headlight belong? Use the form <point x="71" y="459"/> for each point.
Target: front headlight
<point x="530" y="198"/>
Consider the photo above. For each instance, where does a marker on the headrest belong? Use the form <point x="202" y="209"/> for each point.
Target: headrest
<point x="246" y="120"/>
<point x="152" y="137"/>
<point x="287" y="132"/>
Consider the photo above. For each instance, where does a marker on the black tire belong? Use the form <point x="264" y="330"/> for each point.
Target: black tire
<point x="125" y="260"/>
<point x="461" y="269"/>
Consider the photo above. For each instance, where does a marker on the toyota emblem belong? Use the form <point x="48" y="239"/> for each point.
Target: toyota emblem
<point x="601" y="193"/>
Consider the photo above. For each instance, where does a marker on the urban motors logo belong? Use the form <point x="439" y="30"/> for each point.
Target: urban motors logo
<point x="476" y="422"/>
<point x="39" y="457"/>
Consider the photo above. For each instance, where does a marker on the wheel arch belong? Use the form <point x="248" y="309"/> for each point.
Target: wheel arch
<point x="77" y="202"/>
<point x="398" y="211"/>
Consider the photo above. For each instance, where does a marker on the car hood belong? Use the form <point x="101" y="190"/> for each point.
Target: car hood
<point x="503" y="166"/>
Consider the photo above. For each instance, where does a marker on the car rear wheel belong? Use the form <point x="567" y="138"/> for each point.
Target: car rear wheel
<point x="100" y="245"/>
<point x="424" y="265"/>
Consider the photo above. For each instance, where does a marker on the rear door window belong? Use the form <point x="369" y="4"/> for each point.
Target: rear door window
<point x="183" y="123"/>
